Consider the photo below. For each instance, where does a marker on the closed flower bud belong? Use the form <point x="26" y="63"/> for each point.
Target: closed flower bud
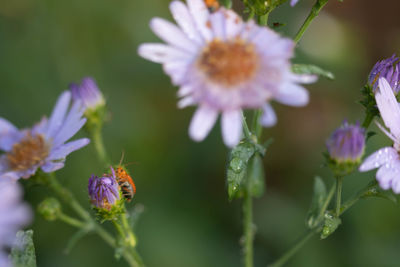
<point x="388" y="69"/>
<point x="347" y="143"/>
<point x="346" y="147"/>
<point x="88" y="93"/>
<point x="50" y="209"/>
<point x="105" y="196"/>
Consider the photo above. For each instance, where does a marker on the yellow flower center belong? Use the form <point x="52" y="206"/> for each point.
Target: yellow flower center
<point x="229" y="63"/>
<point x="30" y="151"/>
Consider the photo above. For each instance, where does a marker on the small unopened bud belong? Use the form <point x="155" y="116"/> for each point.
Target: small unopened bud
<point x="346" y="147"/>
<point x="388" y="69"/>
<point x="105" y="196"/>
<point x="88" y="93"/>
<point x="50" y="209"/>
<point x="347" y="143"/>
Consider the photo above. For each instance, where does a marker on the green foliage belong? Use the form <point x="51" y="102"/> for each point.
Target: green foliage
<point x="226" y="3"/>
<point x="237" y="168"/>
<point x="50" y="209"/>
<point x="261" y="7"/>
<point x="374" y="190"/>
<point x="369" y="102"/>
<point x="312" y="69"/>
<point x="23" y="254"/>
<point x="256" y="176"/>
<point x="317" y="203"/>
<point x="331" y="223"/>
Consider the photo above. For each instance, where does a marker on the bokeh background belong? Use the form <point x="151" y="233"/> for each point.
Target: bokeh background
<point x="187" y="219"/>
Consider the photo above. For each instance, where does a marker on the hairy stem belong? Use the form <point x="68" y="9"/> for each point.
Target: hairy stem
<point x="339" y="182"/>
<point x="248" y="228"/>
<point x="319" y="4"/>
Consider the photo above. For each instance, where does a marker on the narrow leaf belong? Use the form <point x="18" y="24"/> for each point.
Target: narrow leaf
<point x="312" y="69"/>
<point x="255" y="174"/>
<point x="23" y="253"/>
<point x="318" y="199"/>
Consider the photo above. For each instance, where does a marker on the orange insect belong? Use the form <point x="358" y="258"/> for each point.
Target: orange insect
<point x="125" y="181"/>
<point x="212" y="4"/>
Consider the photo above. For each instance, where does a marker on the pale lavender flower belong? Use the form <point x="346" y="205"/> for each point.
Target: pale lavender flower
<point x="14" y="214"/>
<point x="104" y="191"/>
<point x="293" y="2"/>
<point x="223" y="65"/>
<point x="388" y="69"/>
<point x="347" y="143"/>
<point x="88" y="93"/>
<point x="387" y="158"/>
<point x="44" y="145"/>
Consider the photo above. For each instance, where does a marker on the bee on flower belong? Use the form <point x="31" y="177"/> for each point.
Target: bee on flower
<point x="44" y="145"/>
<point x="224" y="65"/>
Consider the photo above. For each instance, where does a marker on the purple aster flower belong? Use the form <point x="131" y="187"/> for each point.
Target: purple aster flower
<point x="293" y="2"/>
<point x="223" y="65"/>
<point x="347" y="143"/>
<point x="13" y="216"/>
<point x="388" y="69"/>
<point x="44" y="145"/>
<point x="88" y="93"/>
<point x="387" y="159"/>
<point x="104" y="191"/>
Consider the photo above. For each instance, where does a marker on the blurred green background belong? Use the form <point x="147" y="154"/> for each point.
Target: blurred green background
<point x="187" y="219"/>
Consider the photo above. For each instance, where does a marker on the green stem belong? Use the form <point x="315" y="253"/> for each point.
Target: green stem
<point x="246" y="129"/>
<point x="319" y="4"/>
<point x="256" y="126"/>
<point x="263" y="20"/>
<point x="282" y="260"/>
<point x="71" y="221"/>
<point x="248" y="227"/>
<point x="131" y="238"/>
<point x="97" y="138"/>
<point x="349" y="203"/>
<point x="339" y="182"/>
<point x="368" y="119"/>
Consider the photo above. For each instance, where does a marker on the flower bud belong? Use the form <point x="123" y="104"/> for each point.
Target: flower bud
<point x="346" y="147"/>
<point x="347" y="143"/>
<point x="105" y="196"/>
<point x="388" y="69"/>
<point x="88" y="93"/>
<point x="50" y="208"/>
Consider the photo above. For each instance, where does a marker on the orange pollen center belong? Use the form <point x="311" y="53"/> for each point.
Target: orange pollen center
<point x="229" y="63"/>
<point x="30" y="151"/>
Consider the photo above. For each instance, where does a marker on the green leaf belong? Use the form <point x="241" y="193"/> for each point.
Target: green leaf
<point x="255" y="174"/>
<point x="331" y="223"/>
<point x="23" y="255"/>
<point x="237" y="168"/>
<point x="317" y="202"/>
<point x="376" y="191"/>
<point x="226" y="3"/>
<point x="312" y="69"/>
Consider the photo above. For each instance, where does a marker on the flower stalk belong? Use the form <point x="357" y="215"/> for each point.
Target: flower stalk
<point x="319" y="4"/>
<point x="339" y="182"/>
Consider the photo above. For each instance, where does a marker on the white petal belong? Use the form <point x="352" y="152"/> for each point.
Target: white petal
<point x="64" y="150"/>
<point x="304" y="78"/>
<point x="293" y="95"/>
<point x="217" y="20"/>
<point x="57" y="116"/>
<point x="378" y="158"/>
<point x="184" y="19"/>
<point x="268" y="118"/>
<point x="388" y="173"/>
<point x="161" y="53"/>
<point x="171" y="34"/>
<point x="203" y="120"/>
<point x="233" y="24"/>
<point x="232" y="127"/>
<point x="388" y="107"/>
<point x="52" y="166"/>
<point x="185" y="90"/>
<point x="177" y="71"/>
<point x="200" y="14"/>
<point x="185" y="102"/>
